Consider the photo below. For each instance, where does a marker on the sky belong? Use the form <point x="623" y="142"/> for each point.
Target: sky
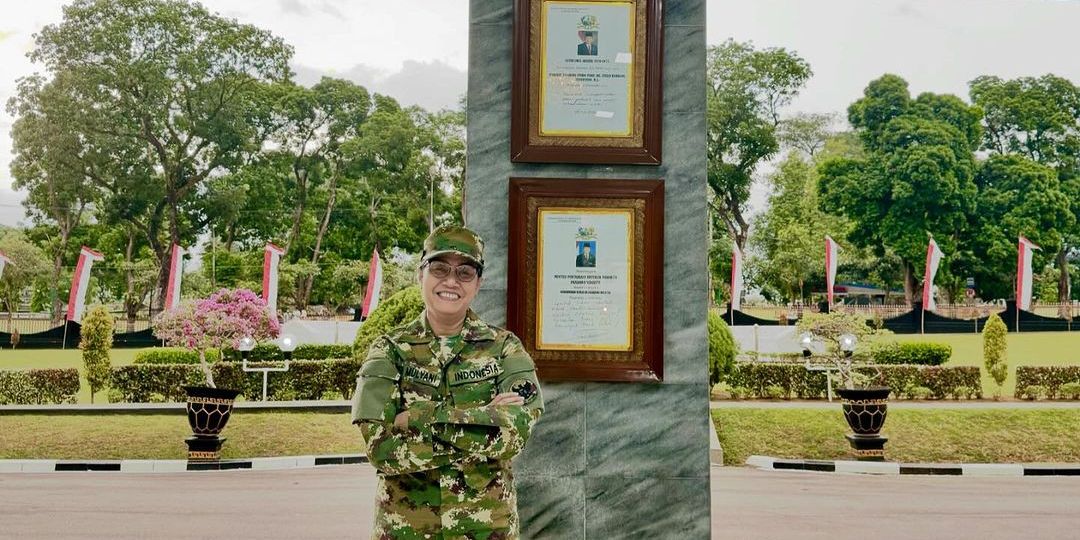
<point x="417" y="50"/>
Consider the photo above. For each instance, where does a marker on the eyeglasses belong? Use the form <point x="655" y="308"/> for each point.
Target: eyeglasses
<point x="441" y="270"/>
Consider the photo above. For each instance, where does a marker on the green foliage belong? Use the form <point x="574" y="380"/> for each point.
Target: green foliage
<point x="399" y="309"/>
<point x="1051" y="379"/>
<point x="1017" y="196"/>
<point x="996" y="350"/>
<point x="722" y="348"/>
<point x="305" y="380"/>
<point x="30" y="266"/>
<point x="913" y="353"/>
<point x="940" y="382"/>
<point x="747" y="87"/>
<point x="174" y="355"/>
<point x="39" y="386"/>
<point x="1069" y="391"/>
<point x="307" y="351"/>
<point x="915" y="177"/>
<point x="828" y="328"/>
<point x="790" y="234"/>
<point x="97" y="338"/>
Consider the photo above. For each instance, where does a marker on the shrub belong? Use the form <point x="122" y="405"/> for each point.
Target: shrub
<point x="830" y="328"/>
<point x="913" y="353"/>
<point x="307" y="351"/>
<point x="39" y="386"/>
<point x="722" y="348"/>
<point x="937" y="382"/>
<point x="1033" y="392"/>
<point x="918" y="392"/>
<point x="174" y="355"/>
<point x="1051" y="378"/>
<point x="97" y="339"/>
<point x="1070" y="391"/>
<point x="996" y="350"/>
<point x="775" y="392"/>
<point x="404" y="306"/>
<point x="306" y="379"/>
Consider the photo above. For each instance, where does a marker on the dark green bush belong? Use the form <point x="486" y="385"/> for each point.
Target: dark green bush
<point x="95" y="342"/>
<point x="722" y="348"/>
<point x="404" y="306"/>
<point x="962" y="382"/>
<point x="305" y="380"/>
<point x="916" y="353"/>
<point x="270" y="352"/>
<point x="1049" y="378"/>
<point x="39" y="386"/>
<point x="174" y="355"/>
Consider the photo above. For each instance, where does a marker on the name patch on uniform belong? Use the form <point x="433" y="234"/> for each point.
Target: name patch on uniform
<point x="475" y="374"/>
<point x="417" y="374"/>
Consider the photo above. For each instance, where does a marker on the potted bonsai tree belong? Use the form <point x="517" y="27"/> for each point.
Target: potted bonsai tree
<point x="865" y="405"/>
<point x="222" y="320"/>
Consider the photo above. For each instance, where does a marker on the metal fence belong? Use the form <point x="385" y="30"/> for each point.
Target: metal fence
<point x="33" y="323"/>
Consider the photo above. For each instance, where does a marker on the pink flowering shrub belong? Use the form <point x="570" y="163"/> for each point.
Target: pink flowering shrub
<point x="219" y="321"/>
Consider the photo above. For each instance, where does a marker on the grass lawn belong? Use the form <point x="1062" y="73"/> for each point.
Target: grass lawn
<point x="161" y="436"/>
<point x="915" y="435"/>
<point x="1025" y="349"/>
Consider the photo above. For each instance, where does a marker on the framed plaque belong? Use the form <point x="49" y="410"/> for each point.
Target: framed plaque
<point x="584" y="282"/>
<point x="586" y="81"/>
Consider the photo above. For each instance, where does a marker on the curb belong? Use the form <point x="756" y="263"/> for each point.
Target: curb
<point x="894" y="468"/>
<point x="175" y="465"/>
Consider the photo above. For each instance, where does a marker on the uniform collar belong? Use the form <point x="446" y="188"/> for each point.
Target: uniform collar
<point x="474" y="329"/>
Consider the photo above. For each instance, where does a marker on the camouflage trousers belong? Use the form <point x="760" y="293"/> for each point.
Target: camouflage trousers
<point x="448" y="503"/>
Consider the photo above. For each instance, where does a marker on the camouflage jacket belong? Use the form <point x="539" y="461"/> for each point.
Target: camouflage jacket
<point x="447" y="475"/>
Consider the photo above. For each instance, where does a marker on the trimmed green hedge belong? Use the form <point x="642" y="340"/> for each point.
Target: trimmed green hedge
<point x="1033" y="382"/>
<point x="914" y="353"/>
<point x="173" y="355"/>
<point x="39" y="386"/>
<point x="270" y="352"/>
<point x="306" y="379"/>
<point x="754" y="379"/>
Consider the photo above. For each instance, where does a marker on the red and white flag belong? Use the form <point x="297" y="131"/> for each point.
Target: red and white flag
<point x="79" y="283"/>
<point x="374" y="285"/>
<point x="832" y="252"/>
<point x="271" y="258"/>
<point x="933" y="260"/>
<point x="736" y="278"/>
<point x="4" y="261"/>
<point x="1025" y="250"/>
<point x="172" y="293"/>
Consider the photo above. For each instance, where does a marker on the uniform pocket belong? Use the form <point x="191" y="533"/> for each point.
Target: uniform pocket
<point x="473" y="383"/>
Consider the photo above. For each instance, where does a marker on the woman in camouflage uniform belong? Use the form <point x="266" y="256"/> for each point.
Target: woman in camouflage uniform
<point x="444" y="403"/>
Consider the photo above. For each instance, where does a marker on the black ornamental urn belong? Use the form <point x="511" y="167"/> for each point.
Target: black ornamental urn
<point x="865" y="410"/>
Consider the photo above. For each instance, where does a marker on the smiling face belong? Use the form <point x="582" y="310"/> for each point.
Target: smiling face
<point x="447" y="299"/>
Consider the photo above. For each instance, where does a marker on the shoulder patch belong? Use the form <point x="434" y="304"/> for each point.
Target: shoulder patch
<point x="524" y="388"/>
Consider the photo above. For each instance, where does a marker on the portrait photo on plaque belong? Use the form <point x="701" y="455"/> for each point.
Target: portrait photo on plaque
<point x="586" y="83"/>
<point x="585" y="283"/>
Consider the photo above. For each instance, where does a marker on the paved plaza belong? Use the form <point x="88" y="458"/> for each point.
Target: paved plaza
<point x="336" y="502"/>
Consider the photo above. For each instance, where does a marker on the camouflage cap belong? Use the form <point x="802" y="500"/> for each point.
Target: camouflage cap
<point x="454" y="239"/>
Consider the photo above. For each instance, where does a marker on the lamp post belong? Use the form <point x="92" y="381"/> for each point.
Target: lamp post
<point x="806" y="340"/>
<point x="286" y="343"/>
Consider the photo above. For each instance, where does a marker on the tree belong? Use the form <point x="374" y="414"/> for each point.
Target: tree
<point x="95" y="341"/>
<point x="218" y="321"/>
<point x="790" y="235"/>
<point x="29" y="265"/>
<point x="58" y="193"/>
<point x="917" y="175"/>
<point x="1038" y="118"/>
<point x="181" y="83"/>
<point x="807" y="132"/>
<point x="1017" y="196"/>
<point x="996" y="350"/>
<point x="746" y="89"/>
